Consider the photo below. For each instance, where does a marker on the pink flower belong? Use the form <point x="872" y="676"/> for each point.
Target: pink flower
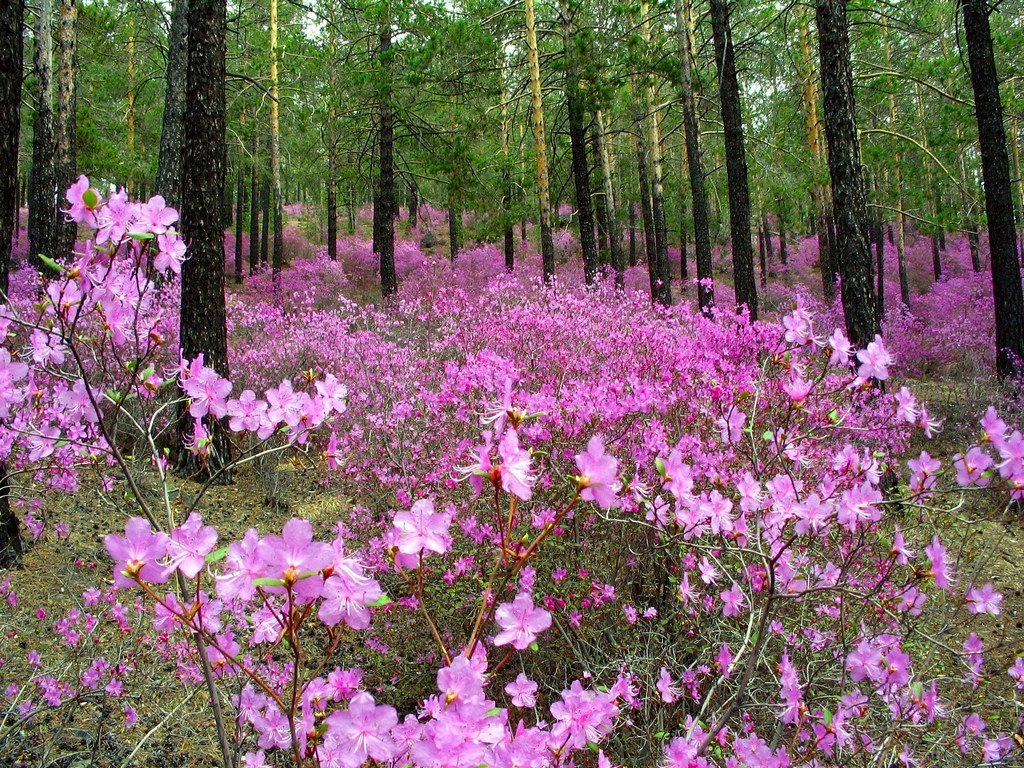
<point x="733" y="600"/>
<point x="984" y="600"/>
<point x="363" y="730"/>
<point x="515" y="467"/>
<point x="189" y="546"/>
<point x="208" y="391"/>
<point x="936" y="553"/>
<point x="170" y="253"/>
<point x="523" y="691"/>
<point x="84" y="201"/>
<point x="1016" y="672"/>
<point x="421" y="530"/>
<point x="348" y="594"/>
<point x="582" y="716"/>
<point x="970" y="469"/>
<point x="874" y="361"/>
<point x="296" y="559"/>
<point x="154" y="216"/>
<point x="520" y="621"/>
<point x="137" y="554"/>
<point x="598" y="478"/>
<point x="840" y="348"/>
<point x="670" y="692"/>
<point x="730" y="426"/>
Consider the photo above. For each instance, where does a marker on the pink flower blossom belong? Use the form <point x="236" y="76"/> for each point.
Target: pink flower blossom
<point x="598" y="478"/>
<point x="520" y="621"/>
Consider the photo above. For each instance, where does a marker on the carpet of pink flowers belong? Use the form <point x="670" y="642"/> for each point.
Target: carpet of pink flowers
<point x="578" y="530"/>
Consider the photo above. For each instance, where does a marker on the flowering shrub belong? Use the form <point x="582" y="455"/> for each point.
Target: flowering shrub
<point x="578" y="520"/>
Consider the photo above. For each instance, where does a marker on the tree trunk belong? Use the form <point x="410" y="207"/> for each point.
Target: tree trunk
<point x="506" y="186"/>
<point x="384" y="199"/>
<point x="239" y="219"/>
<point x="735" y="159"/>
<point x="849" y="207"/>
<point x="66" y="125"/>
<point x="42" y="210"/>
<point x="454" y="218"/>
<point x="643" y="172"/>
<point x="762" y="252"/>
<point x="819" y="193"/>
<point x="611" y="207"/>
<point x="631" y="215"/>
<point x="172" y="133"/>
<point x="547" y="245"/>
<point x="662" y="270"/>
<point x="783" y="247"/>
<point x="578" y="146"/>
<point x="332" y="217"/>
<point x="203" y="316"/>
<point x="995" y="168"/>
<point x="414" y="204"/>
<point x="275" y="147"/>
<point x="265" y="223"/>
<point x="11" y="18"/>
<point x="254" y="213"/>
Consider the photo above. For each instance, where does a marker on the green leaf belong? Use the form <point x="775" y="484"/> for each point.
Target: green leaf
<point x="90" y="198"/>
<point x="381" y="601"/>
<point x="264" y="581"/>
<point x="493" y="712"/>
<point x="51" y="264"/>
<point x="217" y="555"/>
<point x="534" y="646"/>
<point x="660" y="466"/>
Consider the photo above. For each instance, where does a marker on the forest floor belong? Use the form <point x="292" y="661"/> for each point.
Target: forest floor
<point x="56" y="571"/>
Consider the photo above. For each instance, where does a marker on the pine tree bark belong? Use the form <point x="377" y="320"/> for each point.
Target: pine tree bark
<point x="239" y="219"/>
<point x="203" y="316"/>
<point x="819" y="193"/>
<point x="254" y="212"/>
<point x="332" y="217"/>
<point x="42" y="210"/>
<point x="735" y="159"/>
<point x="506" y="186"/>
<point x="264" y="223"/>
<point x="12" y="14"/>
<point x="578" y="147"/>
<point x="849" y="206"/>
<point x="547" y="244"/>
<point x="653" y="129"/>
<point x="995" y="170"/>
<point x="694" y="161"/>
<point x="384" y="198"/>
<point x="66" y="124"/>
<point x="275" y="146"/>
<point x="170" y="168"/>
<point x="611" y="206"/>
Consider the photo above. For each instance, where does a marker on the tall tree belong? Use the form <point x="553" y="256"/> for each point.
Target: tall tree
<point x="694" y="161"/>
<point x="848" y="202"/>
<point x="66" y="125"/>
<point x="172" y="135"/>
<point x="42" y="210"/>
<point x="384" y="192"/>
<point x="11" y="17"/>
<point x="547" y="245"/>
<point x="995" y="167"/>
<point x="663" y="294"/>
<point x="203" y="316"/>
<point x="275" y="145"/>
<point x="735" y="159"/>
<point x="578" y="143"/>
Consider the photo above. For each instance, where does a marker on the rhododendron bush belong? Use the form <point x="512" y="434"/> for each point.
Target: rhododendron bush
<point x="578" y="530"/>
